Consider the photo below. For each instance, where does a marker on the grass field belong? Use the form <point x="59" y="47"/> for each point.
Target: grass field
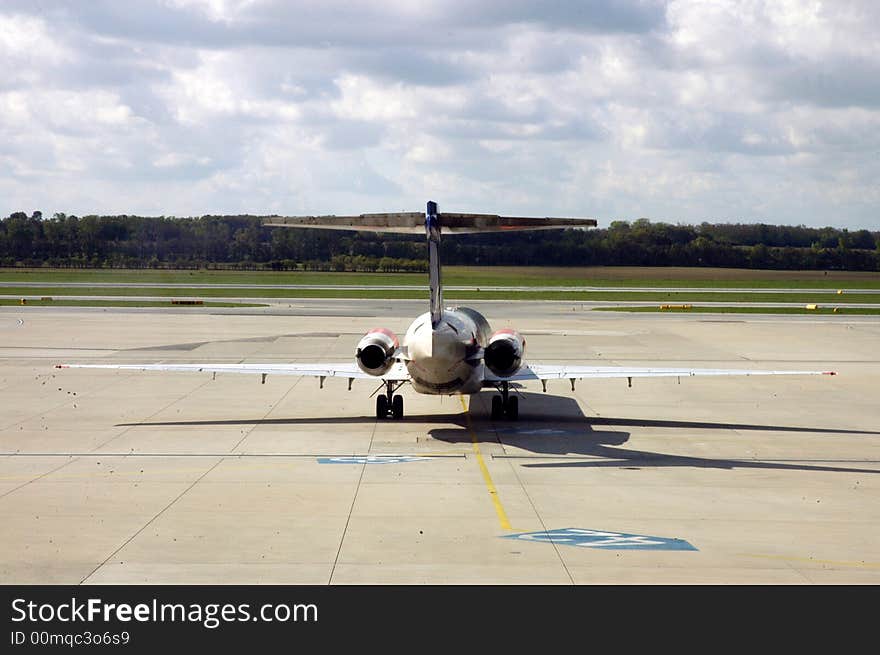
<point x="359" y="292"/>
<point x="709" y="285"/>
<point x="36" y="302"/>
<point x="863" y="311"/>
<point x="608" y="276"/>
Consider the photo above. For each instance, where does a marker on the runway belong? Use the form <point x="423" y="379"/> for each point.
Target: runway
<point x="126" y="478"/>
<point x="342" y="306"/>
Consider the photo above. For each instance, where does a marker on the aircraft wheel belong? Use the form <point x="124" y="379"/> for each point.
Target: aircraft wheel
<point x="512" y="408"/>
<point x="397" y="407"/>
<point x="381" y="406"/>
<point x="497" y="407"/>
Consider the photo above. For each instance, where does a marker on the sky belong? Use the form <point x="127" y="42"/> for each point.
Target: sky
<point x="679" y="111"/>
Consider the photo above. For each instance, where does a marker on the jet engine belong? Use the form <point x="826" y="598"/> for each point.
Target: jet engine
<point x="375" y="351"/>
<point x="504" y="353"/>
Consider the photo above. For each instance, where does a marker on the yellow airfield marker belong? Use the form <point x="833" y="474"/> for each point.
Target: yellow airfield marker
<point x="490" y="486"/>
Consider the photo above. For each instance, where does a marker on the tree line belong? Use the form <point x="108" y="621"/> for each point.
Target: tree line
<point x="242" y="242"/>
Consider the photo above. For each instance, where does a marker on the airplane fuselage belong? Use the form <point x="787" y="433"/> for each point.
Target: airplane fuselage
<point x="446" y="357"/>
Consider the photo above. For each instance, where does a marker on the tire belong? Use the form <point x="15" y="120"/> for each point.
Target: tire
<point x="512" y="408"/>
<point x="397" y="407"/>
<point x="497" y="407"/>
<point x="382" y="406"/>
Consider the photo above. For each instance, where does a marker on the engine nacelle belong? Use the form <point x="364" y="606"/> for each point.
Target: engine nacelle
<point x="375" y="351"/>
<point x="504" y="352"/>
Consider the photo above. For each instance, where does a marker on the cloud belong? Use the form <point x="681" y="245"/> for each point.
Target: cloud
<point x="843" y="81"/>
<point x="678" y="110"/>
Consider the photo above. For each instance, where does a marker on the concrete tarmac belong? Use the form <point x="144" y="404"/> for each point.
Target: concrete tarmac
<point x="135" y="477"/>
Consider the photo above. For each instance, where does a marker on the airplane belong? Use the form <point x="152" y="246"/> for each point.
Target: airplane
<point x="446" y="350"/>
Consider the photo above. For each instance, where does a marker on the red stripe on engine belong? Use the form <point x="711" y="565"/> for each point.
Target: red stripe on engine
<point x="386" y="332"/>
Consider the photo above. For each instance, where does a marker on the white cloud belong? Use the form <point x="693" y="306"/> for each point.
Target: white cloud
<point x="364" y="99"/>
<point x="688" y="110"/>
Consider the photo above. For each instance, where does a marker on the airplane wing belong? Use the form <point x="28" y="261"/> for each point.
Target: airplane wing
<point x="397" y="373"/>
<point x="565" y="372"/>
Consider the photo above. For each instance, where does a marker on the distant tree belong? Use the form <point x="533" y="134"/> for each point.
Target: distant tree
<point x="241" y="242"/>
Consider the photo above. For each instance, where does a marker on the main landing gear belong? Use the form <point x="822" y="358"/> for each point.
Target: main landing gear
<point x="388" y="404"/>
<point x="505" y="404"/>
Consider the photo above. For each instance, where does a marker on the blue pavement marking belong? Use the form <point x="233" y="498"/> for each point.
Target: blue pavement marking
<point x="372" y="459"/>
<point x="603" y="539"/>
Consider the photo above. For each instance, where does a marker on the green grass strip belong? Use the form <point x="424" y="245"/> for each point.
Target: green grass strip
<point x="592" y="296"/>
<point x="117" y="303"/>
<point x="747" y="310"/>
<point x="607" y="276"/>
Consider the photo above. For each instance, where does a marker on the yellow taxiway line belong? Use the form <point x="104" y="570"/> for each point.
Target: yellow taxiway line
<point x="490" y="486"/>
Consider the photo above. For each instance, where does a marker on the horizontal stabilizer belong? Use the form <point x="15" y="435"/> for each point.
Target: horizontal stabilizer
<point x="414" y="222"/>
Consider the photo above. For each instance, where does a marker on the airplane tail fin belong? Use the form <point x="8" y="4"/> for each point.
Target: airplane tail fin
<point x="432" y="229"/>
<point x="432" y="222"/>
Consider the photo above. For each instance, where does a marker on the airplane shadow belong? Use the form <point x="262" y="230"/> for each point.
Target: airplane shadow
<point x="297" y="420"/>
<point x="555" y="425"/>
